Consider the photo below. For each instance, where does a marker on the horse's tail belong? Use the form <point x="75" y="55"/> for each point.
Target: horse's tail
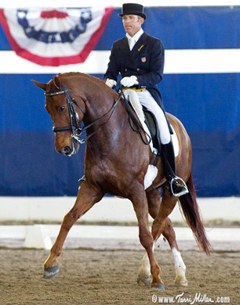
<point x="191" y="212"/>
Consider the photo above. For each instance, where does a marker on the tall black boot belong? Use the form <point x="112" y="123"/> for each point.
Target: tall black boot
<point x="177" y="185"/>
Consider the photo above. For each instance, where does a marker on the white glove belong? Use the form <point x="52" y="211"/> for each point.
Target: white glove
<point x="110" y="82"/>
<point x="129" y="81"/>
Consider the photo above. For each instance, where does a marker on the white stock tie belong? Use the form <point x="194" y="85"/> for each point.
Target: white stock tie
<point x="131" y="43"/>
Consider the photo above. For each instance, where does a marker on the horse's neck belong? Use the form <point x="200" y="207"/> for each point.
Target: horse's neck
<point x="98" y="104"/>
<point x="112" y="119"/>
<point x="99" y="101"/>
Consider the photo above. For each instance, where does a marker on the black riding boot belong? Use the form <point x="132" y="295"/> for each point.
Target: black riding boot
<point x="176" y="184"/>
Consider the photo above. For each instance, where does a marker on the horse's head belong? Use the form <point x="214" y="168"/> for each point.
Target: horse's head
<point x="66" y="112"/>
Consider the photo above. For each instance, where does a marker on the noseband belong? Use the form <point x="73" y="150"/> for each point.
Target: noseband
<point x="74" y="126"/>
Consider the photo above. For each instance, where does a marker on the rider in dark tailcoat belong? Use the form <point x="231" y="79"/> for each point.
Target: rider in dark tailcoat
<point x="139" y="58"/>
<point x="146" y="61"/>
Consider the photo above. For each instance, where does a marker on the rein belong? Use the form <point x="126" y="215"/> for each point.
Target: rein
<point x="74" y="126"/>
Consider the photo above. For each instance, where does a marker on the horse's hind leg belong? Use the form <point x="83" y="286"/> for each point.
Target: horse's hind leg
<point x="180" y="267"/>
<point x="86" y="198"/>
<point x="144" y="274"/>
<point x="167" y="205"/>
<point x="162" y="225"/>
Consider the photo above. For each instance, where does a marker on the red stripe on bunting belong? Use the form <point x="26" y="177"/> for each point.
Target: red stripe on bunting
<point x="53" y="14"/>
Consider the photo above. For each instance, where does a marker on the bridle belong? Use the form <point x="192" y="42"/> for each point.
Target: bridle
<point x="75" y="125"/>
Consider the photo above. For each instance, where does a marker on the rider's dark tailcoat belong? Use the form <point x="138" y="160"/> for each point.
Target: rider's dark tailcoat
<point x="146" y="61"/>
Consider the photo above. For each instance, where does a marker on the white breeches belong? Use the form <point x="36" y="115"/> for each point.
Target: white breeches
<point x="151" y="105"/>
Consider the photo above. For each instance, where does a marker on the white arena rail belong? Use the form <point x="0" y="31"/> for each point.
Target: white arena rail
<point x="33" y="219"/>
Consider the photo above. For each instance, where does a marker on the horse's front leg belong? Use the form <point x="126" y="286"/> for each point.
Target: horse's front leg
<point x="144" y="274"/>
<point x="86" y="198"/>
<point x="160" y="211"/>
<point x="140" y="205"/>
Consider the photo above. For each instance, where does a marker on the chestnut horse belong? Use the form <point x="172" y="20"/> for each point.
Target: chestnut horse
<point x="116" y="161"/>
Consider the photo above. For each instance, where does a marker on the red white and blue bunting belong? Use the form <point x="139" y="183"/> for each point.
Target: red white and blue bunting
<point x="54" y="37"/>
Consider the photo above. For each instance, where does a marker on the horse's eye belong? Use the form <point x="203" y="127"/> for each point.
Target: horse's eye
<point x="61" y="108"/>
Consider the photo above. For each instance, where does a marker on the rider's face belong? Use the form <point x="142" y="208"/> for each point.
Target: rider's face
<point x="132" y="24"/>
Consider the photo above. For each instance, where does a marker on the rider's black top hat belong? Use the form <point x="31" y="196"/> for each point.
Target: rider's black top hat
<point x="133" y="9"/>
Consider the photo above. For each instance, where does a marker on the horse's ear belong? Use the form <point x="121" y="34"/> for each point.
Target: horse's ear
<point x="56" y="82"/>
<point x="40" y="85"/>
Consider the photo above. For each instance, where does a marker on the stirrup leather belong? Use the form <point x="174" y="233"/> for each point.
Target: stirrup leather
<point x="177" y="180"/>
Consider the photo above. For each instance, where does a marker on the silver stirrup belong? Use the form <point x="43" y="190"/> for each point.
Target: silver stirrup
<point x="183" y="184"/>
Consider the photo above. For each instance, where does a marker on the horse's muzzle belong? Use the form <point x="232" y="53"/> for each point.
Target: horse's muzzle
<point x="70" y="150"/>
<point x="67" y="151"/>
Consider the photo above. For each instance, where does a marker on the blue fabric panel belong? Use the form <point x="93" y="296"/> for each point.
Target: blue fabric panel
<point x="22" y="109"/>
<point x="30" y="166"/>
<point x="195" y="27"/>
<point x="216" y="163"/>
<point x="205" y="102"/>
<point x="209" y="107"/>
<point x="184" y="27"/>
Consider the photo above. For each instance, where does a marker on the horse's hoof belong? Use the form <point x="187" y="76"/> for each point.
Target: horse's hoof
<point x="181" y="282"/>
<point x="146" y="280"/>
<point x="184" y="283"/>
<point x="51" y="272"/>
<point x="160" y="286"/>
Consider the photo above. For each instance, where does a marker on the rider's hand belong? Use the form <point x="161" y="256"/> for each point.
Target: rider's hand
<point x="110" y="82"/>
<point x="129" y="81"/>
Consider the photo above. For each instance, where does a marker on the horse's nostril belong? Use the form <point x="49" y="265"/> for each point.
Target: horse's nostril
<point x="67" y="150"/>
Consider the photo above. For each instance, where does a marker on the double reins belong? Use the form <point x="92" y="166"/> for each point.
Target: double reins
<point x="74" y="127"/>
